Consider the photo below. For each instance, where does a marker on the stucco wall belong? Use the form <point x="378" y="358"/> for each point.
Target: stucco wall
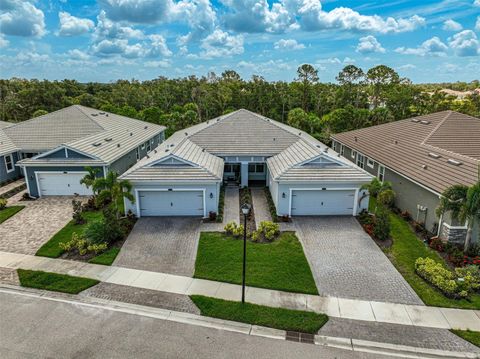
<point x="4" y="176"/>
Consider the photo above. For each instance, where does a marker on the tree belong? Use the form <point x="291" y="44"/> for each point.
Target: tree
<point x="381" y="78"/>
<point x="112" y="191"/>
<point x="39" y="112"/>
<point x="463" y="203"/>
<point x="350" y="78"/>
<point x="89" y="179"/>
<point x="381" y="230"/>
<point x="307" y="75"/>
<point x="297" y="118"/>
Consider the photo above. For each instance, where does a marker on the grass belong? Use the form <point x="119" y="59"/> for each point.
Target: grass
<point x="106" y="258"/>
<point x="278" y="318"/>
<point x="8" y="212"/>
<point x="52" y="249"/>
<point x="280" y="265"/>
<point x="54" y="282"/>
<point x="468" y="335"/>
<point x="403" y="253"/>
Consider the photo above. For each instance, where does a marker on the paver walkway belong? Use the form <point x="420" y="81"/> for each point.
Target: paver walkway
<point x="11" y="186"/>
<point x="162" y="244"/>
<point x="231" y="211"/>
<point x="347" y="263"/>
<point x="260" y="205"/>
<point x="414" y="315"/>
<point x="27" y="230"/>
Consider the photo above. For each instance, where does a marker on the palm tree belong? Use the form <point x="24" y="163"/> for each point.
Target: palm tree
<point x="112" y="191"/>
<point x="381" y="190"/>
<point x="90" y="177"/>
<point x="463" y="203"/>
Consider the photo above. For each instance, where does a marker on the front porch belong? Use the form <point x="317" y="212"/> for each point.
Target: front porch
<point x="245" y="174"/>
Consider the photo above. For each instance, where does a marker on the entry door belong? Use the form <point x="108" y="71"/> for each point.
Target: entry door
<point x="323" y="203"/>
<point x="62" y="184"/>
<point x="171" y="203"/>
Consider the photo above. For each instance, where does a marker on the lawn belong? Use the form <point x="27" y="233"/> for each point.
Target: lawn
<point x="280" y="265"/>
<point x="405" y="250"/>
<point x="106" y="258"/>
<point x="54" y="282"/>
<point x="468" y="335"/>
<point x="8" y="212"/>
<point x="52" y="249"/>
<point x="278" y="318"/>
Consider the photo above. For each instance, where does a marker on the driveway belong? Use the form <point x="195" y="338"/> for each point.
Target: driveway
<point x="347" y="263"/>
<point x="162" y="244"/>
<point x="30" y="228"/>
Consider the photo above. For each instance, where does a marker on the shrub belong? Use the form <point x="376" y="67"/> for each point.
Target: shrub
<point x="3" y="203"/>
<point x="97" y="248"/>
<point x="437" y="244"/>
<point x="267" y="231"/>
<point x="238" y="231"/>
<point x="82" y="246"/>
<point x="386" y="197"/>
<point x="471" y="278"/>
<point x="406" y="215"/>
<point x="230" y="227"/>
<point x="381" y="229"/>
<point x="271" y="205"/>
<point x="474" y="250"/>
<point x="77" y="212"/>
<point x="221" y="205"/>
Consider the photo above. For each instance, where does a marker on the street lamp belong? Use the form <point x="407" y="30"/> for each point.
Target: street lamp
<point x="245" y="210"/>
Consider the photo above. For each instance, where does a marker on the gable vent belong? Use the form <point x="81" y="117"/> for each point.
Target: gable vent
<point x="425" y="122"/>
<point x="415" y="120"/>
<point x="434" y="155"/>
<point x="454" y="162"/>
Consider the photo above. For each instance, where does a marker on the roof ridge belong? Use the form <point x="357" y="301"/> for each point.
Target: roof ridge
<point x="203" y="150"/>
<point x="449" y="113"/>
<point x="81" y="109"/>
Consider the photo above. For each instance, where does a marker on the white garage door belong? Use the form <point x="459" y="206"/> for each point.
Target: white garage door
<point x="61" y="184"/>
<point x="171" y="203"/>
<point x="318" y="202"/>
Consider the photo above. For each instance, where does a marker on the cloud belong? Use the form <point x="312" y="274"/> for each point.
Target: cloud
<point x="220" y="44"/>
<point x="77" y="54"/>
<point x="369" y="44"/>
<point x="21" y="18"/>
<point x="31" y="57"/>
<point x="465" y="43"/>
<point x="407" y="67"/>
<point x="158" y="46"/>
<point x="3" y="42"/>
<point x="431" y="47"/>
<point x="138" y="11"/>
<point x="476" y="3"/>
<point x="161" y="64"/>
<point x="289" y="44"/>
<point x="73" y="26"/>
<point x="451" y="25"/>
<point x="477" y="25"/>
<point x="107" y="29"/>
<point x="200" y="17"/>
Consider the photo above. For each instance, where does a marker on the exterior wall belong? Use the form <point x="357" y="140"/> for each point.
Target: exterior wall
<point x="273" y="187"/>
<point x="31" y="179"/>
<point x="61" y="154"/>
<point x="211" y="204"/>
<point x="4" y="176"/>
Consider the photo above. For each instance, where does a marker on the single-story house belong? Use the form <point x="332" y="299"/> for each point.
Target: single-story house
<point x="8" y="156"/>
<point x="52" y="150"/>
<point x="183" y="176"/>
<point x="421" y="157"/>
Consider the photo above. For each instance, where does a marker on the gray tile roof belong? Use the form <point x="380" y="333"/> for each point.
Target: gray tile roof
<point x="419" y="148"/>
<point x="6" y="144"/>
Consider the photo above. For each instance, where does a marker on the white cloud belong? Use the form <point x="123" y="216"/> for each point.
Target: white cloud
<point x="73" y="26"/>
<point x="452" y="25"/>
<point x="106" y="28"/>
<point x="465" y="43"/>
<point x="348" y="60"/>
<point x="476" y="3"/>
<point x="200" y="17"/>
<point x="137" y="11"/>
<point x="220" y="44"/>
<point x="288" y="44"/>
<point x="3" y="41"/>
<point x="31" y="57"/>
<point x="21" y="18"/>
<point x="432" y="47"/>
<point x="369" y="44"/>
<point x="407" y="67"/>
<point x="77" y="54"/>
<point x="160" y="63"/>
<point x="477" y="25"/>
<point x="158" y="46"/>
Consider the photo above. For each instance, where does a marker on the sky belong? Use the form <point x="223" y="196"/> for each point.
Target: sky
<point x="107" y="40"/>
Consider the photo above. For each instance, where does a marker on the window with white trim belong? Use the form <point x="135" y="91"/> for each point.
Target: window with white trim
<point x="354" y="154"/>
<point x="9" y="163"/>
<point x="256" y="168"/>
<point x="370" y="163"/>
<point x="342" y="150"/>
<point x="137" y="153"/>
<point x="334" y="145"/>
<point x="360" y="160"/>
<point x="381" y="173"/>
<point x="149" y="146"/>
<point x="143" y="146"/>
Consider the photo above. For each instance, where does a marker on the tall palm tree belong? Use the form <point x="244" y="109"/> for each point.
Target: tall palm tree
<point x="112" y="191"/>
<point x="90" y="177"/>
<point x="464" y="205"/>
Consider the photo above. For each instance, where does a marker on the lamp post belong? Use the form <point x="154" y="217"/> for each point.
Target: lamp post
<point x="245" y="210"/>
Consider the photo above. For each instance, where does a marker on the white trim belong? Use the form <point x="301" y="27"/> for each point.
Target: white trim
<point x="370" y="160"/>
<point x="57" y="172"/>
<point x="137" y="191"/>
<point x="378" y="172"/>
<point x="353" y="154"/>
<point x="171" y="155"/>
<point x="455" y="227"/>
<point x="321" y="189"/>
<point x="27" y="180"/>
<point x="66" y="147"/>
<point x="322" y="155"/>
<point x="355" y="204"/>
<point x="66" y="152"/>
<point x="12" y="164"/>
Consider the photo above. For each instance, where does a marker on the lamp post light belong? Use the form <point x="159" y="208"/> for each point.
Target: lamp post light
<point x="245" y="210"/>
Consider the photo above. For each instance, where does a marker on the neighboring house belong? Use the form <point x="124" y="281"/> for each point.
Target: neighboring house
<point x="184" y="175"/>
<point x="8" y="156"/>
<point x="53" y="150"/>
<point x="422" y="157"/>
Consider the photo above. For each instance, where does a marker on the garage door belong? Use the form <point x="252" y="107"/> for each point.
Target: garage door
<point x="171" y="203"/>
<point x="318" y="203"/>
<point x="62" y="184"/>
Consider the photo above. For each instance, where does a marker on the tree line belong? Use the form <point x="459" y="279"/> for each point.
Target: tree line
<point x="358" y="99"/>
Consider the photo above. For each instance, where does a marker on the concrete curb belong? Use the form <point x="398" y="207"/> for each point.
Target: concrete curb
<point x="392" y="350"/>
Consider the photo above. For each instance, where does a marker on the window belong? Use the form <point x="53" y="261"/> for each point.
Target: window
<point x="149" y="146"/>
<point x="256" y="168"/>
<point x="360" y="160"/>
<point x="354" y="154"/>
<point x="334" y="145"/>
<point x="152" y="141"/>
<point x="137" y="153"/>
<point x="381" y="173"/>
<point x="143" y="146"/>
<point x="342" y="150"/>
<point x="370" y="163"/>
<point x="9" y="163"/>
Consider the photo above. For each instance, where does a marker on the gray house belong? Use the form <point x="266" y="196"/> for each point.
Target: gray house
<point x="421" y="156"/>
<point x="52" y="151"/>
<point x="8" y="156"/>
<point x="184" y="174"/>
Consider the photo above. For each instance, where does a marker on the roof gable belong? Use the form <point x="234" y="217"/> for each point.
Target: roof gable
<point x="171" y="161"/>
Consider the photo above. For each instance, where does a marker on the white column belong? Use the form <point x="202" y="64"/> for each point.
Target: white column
<point x="244" y="174"/>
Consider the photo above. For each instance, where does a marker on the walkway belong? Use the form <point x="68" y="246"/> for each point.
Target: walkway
<point x="260" y="205"/>
<point x="15" y="187"/>
<point x="231" y="211"/>
<point x="414" y="315"/>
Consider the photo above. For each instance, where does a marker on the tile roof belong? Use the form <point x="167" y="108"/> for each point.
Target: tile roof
<point x="419" y="148"/>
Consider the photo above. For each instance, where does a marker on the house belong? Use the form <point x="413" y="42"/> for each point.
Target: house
<point x="421" y="157"/>
<point x="183" y="176"/>
<point x="52" y="151"/>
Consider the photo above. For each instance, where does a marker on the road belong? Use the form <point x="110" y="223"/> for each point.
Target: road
<point x="32" y="327"/>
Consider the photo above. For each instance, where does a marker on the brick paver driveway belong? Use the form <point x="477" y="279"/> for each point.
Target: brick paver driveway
<point x="347" y="263"/>
<point x="27" y="230"/>
<point x="162" y="244"/>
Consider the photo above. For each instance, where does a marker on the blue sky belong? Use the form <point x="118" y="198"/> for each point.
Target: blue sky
<point x="106" y="40"/>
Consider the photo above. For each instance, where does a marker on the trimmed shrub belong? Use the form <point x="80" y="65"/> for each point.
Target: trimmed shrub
<point x="381" y="229"/>
<point x="267" y="231"/>
<point x="271" y="205"/>
<point x="3" y="203"/>
<point x="233" y="229"/>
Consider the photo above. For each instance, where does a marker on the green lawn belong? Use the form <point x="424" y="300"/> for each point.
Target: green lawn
<point x="52" y="249"/>
<point x="54" y="282"/>
<point x="278" y="318"/>
<point x="468" y="335"/>
<point x="279" y="265"/>
<point x="106" y="258"/>
<point x="403" y="253"/>
<point x="7" y="212"/>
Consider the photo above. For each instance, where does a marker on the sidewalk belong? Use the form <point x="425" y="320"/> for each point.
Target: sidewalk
<point x="262" y="213"/>
<point x="414" y="315"/>
<point x="12" y="187"/>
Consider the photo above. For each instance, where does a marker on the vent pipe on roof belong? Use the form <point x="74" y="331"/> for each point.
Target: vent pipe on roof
<point x="106" y="114"/>
<point x="118" y="145"/>
<point x="424" y="167"/>
<point x="434" y="155"/>
<point x="425" y="122"/>
<point x="416" y="120"/>
<point x="356" y="139"/>
<point x="131" y="133"/>
<point x="108" y="139"/>
<point x="454" y="162"/>
<point x="145" y="127"/>
<point x="186" y="133"/>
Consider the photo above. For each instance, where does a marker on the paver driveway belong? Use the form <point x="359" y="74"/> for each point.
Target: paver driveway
<point x="27" y="230"/>
<point x="162" y="244"/>
<point x="347" y="263"/>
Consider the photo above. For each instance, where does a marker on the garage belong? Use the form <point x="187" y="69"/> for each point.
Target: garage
<point x="328" y="202"/>
<point x="171" y="203"/>
<point x="61" y="184"/>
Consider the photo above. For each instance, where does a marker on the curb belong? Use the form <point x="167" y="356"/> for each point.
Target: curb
<point x="351" y="344"/>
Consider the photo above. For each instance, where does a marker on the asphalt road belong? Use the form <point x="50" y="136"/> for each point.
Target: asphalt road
<point x="33" y="327"/>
